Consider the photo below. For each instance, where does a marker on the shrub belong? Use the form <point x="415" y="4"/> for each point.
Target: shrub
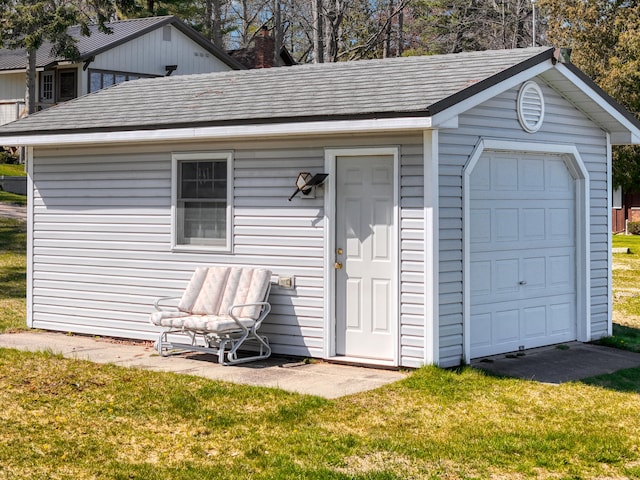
<point x="8" y="156"/>
<point x="633" y="228"/>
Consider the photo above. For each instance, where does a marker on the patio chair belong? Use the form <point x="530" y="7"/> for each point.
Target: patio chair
<point x="220" y="312"/>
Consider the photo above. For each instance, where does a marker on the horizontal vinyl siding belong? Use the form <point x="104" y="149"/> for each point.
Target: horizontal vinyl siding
<point x="102" y="236"/>
<point x="497" y="119"/>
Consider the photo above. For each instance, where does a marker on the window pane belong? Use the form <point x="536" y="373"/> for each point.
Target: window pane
<point x="107" y="80"/>
<point x="189" y="170"/>
<point x="202" y="223"/>
<point x="67" y="85"/>
<point x="121" y="78"/>
<point x="96" y="82"/>
<point x="189" y="189"/>
<point x="220" y="189"/>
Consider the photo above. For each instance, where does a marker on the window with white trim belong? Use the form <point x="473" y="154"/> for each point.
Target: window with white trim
<point x="202" y="200"/>
<point x="617" y="198"/>
<point x="46" y="86"/>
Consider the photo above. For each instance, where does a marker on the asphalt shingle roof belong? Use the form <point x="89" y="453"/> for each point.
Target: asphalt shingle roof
<point x="121" y="31"/>
<point x="364" y="89"/>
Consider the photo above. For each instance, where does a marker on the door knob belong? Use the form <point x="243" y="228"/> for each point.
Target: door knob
<point x="338" y="265"/>
<point x="339" y="251"/>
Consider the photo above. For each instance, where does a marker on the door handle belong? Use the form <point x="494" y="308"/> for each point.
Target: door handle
<point x="337" y="265"/>
<point x="522" y="282"/>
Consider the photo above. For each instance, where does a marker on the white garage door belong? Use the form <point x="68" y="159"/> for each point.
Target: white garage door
<point x="523" y="249"/>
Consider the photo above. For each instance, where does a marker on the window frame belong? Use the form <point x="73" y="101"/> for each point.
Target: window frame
<point x="115" y="73"/>
<point x="176" y="159"/>
<point x="73" y="72"/>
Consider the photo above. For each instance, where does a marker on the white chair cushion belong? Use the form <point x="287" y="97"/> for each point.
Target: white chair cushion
<point x="168" y="318"/>
<point x="214" y="323"/>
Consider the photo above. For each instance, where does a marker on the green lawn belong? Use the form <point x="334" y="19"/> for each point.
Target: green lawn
<point x="626" y="281"/>
<point x="8" y="197"/>
<point x="70" y="419"/>
<point x="13" y="271"/>
<point x="76" y="420"/>
<point x="11" y="170"/>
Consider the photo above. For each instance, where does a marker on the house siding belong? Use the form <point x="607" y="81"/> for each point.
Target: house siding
<point x="102" y="227"/>
<point x="12" y="87"/>
<point x="497" y="119"/>
<point x="150" y="53"/>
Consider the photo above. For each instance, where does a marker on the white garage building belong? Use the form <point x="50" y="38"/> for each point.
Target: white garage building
<point x="465" y="212"/>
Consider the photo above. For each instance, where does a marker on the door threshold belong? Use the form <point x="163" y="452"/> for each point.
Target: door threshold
<point x="363" y="362"/>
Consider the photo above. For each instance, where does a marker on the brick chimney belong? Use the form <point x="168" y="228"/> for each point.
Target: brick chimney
<point x="264" y="48"/>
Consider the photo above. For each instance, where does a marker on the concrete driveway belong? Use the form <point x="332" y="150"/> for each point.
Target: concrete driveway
<point x="557" y="364"/>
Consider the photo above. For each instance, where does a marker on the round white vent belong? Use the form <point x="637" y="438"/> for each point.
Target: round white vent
<point x="530" y="107"/>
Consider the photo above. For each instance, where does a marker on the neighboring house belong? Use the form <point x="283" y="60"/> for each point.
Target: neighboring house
<point x="466" y="211"/>
<point x="137" y="48"/>
<point x="625" y="208"/>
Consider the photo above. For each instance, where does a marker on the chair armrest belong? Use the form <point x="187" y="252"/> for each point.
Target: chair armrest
<point x="266" y="309"/>
<point x="165" y="308"/>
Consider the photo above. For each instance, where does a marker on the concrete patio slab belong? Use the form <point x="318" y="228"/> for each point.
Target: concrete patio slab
<point x="558" y="364"/>
<point x="322" y="379"/>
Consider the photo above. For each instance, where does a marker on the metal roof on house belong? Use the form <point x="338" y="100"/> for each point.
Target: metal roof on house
<point x="98" y="42"/>
<point x="409" y="86"/>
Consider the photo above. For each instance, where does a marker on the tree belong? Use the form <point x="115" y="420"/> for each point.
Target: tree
<point x="604" y="36"/>
<point x="29" y="23"/>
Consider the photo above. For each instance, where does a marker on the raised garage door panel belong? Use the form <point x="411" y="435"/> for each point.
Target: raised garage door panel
<point x="522" y="231"/>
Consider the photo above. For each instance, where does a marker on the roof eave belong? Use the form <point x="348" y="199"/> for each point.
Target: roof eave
<point x="228" y="131"/>
<point x="611" y="116"/>
<point x="485" y="84"/>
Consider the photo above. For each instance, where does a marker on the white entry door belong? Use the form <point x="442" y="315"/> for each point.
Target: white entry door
<point x="364" y="244"/>
<point x="523" y="252"/>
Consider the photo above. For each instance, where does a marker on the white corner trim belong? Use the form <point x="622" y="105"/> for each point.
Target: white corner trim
<point x="330" y="156"/>
<point x="609" y="239"/>
<point x="30" y="236"/>
<point x="578" y="170"/>
<point x="431" y="302"/>
<point x="377" y="125"/>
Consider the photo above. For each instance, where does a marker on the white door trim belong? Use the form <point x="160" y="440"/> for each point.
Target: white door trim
<point x="330" y="156"/>
<point x="576" y="167"/>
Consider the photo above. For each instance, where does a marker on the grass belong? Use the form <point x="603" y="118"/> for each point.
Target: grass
<point x="626" y="281"/>
<point x="69" y="419"/>
<point x="8" y="197"/>
<point x="11" y="170"/>
<point x="12" y="275"/>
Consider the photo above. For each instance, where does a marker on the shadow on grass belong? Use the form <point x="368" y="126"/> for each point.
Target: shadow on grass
<point x="13" y="282"/>
<point x="624" y="338"/>
<point x="13" y="236"/>
<point x="625" y="380"/>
